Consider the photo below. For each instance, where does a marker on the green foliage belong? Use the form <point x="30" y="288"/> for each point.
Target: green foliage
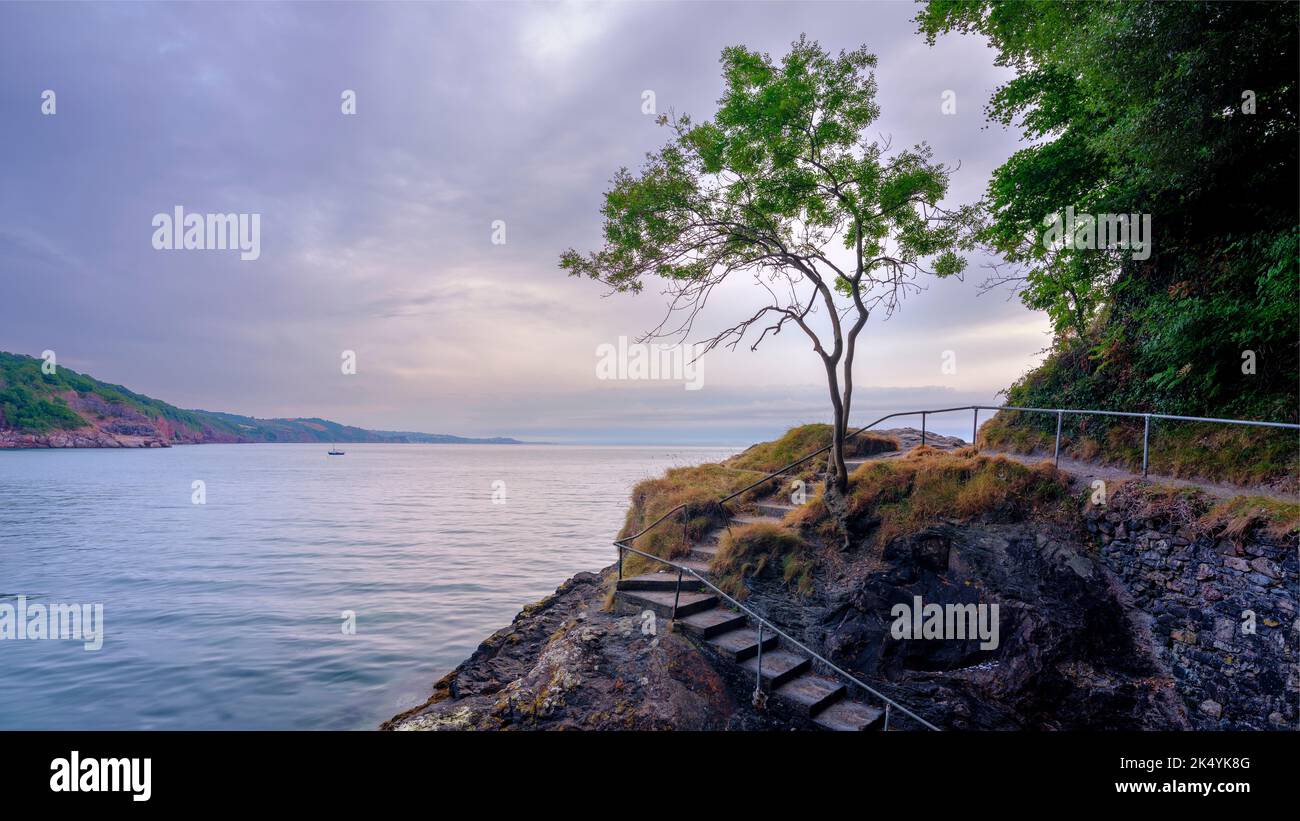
<point x="1140" y="107"/>
<point x="33" y="401"/>
<point x="781" y="170"/>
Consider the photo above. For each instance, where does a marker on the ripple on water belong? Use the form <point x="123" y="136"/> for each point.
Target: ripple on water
<point x="229" y="615"/>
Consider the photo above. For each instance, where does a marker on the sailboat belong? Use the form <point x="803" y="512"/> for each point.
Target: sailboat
<point x="334" y="450"/>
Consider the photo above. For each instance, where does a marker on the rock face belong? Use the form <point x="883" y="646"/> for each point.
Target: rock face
<point x="1068" y="655"/>
<point x="1222" y="613"/>
<point x="564" y="664"/>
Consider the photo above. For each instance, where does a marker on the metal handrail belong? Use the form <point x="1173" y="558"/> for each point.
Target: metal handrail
<point x="681" y="568"/>
<point x="625" y="542"/>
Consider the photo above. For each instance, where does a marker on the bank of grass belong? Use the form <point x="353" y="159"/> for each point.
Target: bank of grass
<point x="907" y="494"/>
<point x="1235" y="519"/>
<point x="1237" y="454"/>
<point x="766" y="457"/>
<point x="763" y="549"/>
<point x="701" y="486"/>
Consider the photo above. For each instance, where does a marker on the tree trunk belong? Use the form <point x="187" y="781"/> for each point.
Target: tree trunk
<point x="836" y="468"/>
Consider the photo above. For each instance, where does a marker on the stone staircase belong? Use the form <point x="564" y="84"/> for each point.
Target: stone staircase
<point x="787" y="674"/>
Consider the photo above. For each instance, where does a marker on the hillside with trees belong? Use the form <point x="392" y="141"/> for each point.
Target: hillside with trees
<point x="1186" y="112"/>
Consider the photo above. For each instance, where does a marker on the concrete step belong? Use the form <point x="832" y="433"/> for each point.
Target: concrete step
<point x="810" y="693"/>
<point x="703" y="553"/>
<point x="710" y="623"/>
<point x="777" y="510"/>
<point x="699" y="566"/>
<point x="661" y="602"/>
<point x="779" y="666"/>
<point x="741" y="643"/>
<point x="746" y="519"/>
<point x="660" y="581"/>
<point x="852" y="716"/>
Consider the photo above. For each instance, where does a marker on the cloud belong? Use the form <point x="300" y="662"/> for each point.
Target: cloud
<point x="376" y="228"/>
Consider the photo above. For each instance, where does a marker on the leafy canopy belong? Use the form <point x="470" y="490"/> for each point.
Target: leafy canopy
<point x="778" y="177"/>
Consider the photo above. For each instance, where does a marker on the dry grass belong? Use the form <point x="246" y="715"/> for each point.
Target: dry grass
<point x="1186" y="450"/>
<point x="758" y="549"/>
<point x="698" y="488"/>
<point x="910" y="493"/>
<point x="803" y="440"/>
<point x="701" y="486"/>
<point x="1237" y="517"/>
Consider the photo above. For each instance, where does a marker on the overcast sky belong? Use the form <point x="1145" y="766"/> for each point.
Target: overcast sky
<point x="376" y="229"/>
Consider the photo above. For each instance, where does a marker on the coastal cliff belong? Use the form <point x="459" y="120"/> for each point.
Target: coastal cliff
<point x="1155" y="609"/>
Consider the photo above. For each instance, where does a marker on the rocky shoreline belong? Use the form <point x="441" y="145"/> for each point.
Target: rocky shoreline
<point x="564" y="663"/>
<point x="1126" y="618"/>
<point x="84" y="438"/>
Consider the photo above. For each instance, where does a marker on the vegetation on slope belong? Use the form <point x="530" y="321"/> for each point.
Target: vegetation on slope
<point x="759" y="549"/>
<point x="31" y="400"/>
<point x="1185" y="112"/>
<point x="701" y="486"/>
<point x="35" y="402"/>
<point x="1204" y="450"/>
<point x="900" y="496"/>
<point x="1233" y="519"/>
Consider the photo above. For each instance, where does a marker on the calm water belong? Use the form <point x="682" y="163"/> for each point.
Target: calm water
<point x="228" y="614"/>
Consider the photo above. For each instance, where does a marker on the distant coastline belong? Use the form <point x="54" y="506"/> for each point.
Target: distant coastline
<point x="55" y="407"/>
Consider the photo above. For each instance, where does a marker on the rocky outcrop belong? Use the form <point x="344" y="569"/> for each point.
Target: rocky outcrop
<point x="89" y="437"/>
<point x="1221" y="612"/>
<point x="565" y="664"/>
<point x="1068" y="655"/>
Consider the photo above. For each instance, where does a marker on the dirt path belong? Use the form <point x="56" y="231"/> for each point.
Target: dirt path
<point x="1086" y="472"/>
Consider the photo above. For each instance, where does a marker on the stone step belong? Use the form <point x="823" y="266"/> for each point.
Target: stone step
<point x="660" y="581"/>
<point x="851" y="716"/>
<point x="742" y="642"/>
<point x="699" y="566"/>
<point x="810" y="693"/>
<point x="777" y="510"/>
<point x="709" y="623"/>
<point x="746" y="519"/>
<point x="661" y="602"/>
<point x="779" y="666"/>
<point x="705" y="550"/>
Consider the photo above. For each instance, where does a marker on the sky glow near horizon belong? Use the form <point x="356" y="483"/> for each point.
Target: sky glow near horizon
<point x="376" y="228"/>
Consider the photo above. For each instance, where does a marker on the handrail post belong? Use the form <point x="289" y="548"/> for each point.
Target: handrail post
<point x="975" y="426"/>
<point x="1146" y="435"/>
<point x="677" y="594"/>
<point x="887" y="708"/>
<point x="758" y="677"/>
<point x="1056" y="456"/>
<point x="922" y="428"/>
<point x="620" y="561"/>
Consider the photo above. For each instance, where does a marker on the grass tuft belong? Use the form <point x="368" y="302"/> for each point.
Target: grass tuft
<point x="762" y="549"/>
<point x="907" y="494"/>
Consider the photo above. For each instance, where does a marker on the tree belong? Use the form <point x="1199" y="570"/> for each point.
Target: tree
<point x="781" y="176"/>
<point x="1186" y="112"/>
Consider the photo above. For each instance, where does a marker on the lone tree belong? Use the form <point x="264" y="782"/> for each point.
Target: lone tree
<point x="782" y="176"/>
